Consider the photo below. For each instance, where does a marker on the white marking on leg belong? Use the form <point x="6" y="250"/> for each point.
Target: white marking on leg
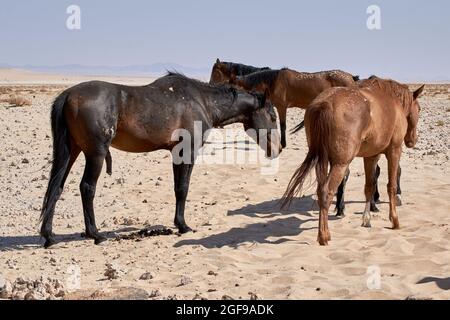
<point x="366" y="216"/>
<point x="399" y="200"/>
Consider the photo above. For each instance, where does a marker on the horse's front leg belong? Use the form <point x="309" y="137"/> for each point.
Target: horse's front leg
<point x="393" y="158"/>
<point x="182" y="176"/>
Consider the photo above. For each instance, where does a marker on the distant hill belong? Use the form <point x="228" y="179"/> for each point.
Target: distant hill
<point x="153" y="70"/>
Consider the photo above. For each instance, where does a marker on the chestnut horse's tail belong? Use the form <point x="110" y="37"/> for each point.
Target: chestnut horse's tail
<point x="319" y="122"/>
<point x="61" y="157"/>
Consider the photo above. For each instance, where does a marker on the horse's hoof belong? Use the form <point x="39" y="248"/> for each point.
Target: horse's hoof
<point x="373" y="208"/>
<point x="49" y="242"/>
<point x="366" y="223"/>
<point x="184" y="229"/>
<point x="340" y="215"/>
<point x="395" y="225"/>
<point x="323" y="239"/>
<point x="99" y="240"/>
<point x="399" y="200"/>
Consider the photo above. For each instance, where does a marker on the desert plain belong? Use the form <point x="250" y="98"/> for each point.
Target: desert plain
<point x="244" y="246"/>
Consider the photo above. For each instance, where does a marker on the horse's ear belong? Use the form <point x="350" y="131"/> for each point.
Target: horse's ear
<point x="418" y="92"/>
<point x="217" y="61"/>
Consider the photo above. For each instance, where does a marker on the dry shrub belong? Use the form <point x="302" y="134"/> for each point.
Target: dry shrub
<point x="5" y="90"/>
<point x="17" y="101"/>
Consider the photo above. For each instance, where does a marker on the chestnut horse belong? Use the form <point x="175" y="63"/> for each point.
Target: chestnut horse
<point x="93" y="116"/>
<point x="222" y="72"/>
<point x="368" y="120"/>
<point x="288" y="88"/>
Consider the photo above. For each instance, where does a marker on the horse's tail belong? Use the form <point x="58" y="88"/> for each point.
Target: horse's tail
<point x="319" y="121"/>
<point x="356" y="78"/>
<point x="299" y="127"/>
<point x="61" y="157"/>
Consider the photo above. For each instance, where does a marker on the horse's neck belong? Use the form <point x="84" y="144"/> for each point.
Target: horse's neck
<point x="227" y="111"/>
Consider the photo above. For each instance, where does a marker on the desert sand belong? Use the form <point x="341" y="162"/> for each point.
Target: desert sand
<point x="244" y="247"/>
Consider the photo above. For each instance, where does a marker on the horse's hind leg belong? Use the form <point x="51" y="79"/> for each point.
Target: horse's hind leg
<point x="108" y="160"/>
<point x="94" y="164"/>
<point x="340" y="202"/>
<point x="325" y="194"/>
<point x="393" y="157"/>
<point x="47" y="222"/>
<point x="370" y="168"/>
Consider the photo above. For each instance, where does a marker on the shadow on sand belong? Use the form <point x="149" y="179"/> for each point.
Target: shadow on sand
<point x="270" y="209"/>
<point x="10" y="243"/>
<point x="442" y="283"/>
<point x="262" y="231"/>
<point x="256" y="232"/>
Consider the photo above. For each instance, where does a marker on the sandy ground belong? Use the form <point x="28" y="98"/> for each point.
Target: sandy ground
<point x="244" y="246"/>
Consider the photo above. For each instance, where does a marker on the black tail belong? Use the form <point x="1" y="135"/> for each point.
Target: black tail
<point x="356" y="78"/>
<point x="319" y="135"/>
<point x="299" y="127"/>
<point x="61" y="158"/>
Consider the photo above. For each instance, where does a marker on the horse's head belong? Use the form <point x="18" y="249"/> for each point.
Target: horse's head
<point x="239" y="82"/>
<point x="261" y="125"/>
<point x="258" y="81"/>
<point x="220" y="73"/>
<point x="413" y="119"/>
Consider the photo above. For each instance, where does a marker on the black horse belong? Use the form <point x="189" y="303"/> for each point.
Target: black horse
<point x="93" y="116"/>
<point x="223" y="72"/>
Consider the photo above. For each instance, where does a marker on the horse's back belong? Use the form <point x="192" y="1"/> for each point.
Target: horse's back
<point x="348" y="119"/>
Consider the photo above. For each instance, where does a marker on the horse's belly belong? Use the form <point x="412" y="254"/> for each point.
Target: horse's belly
<point x="130" y="143"/>
<point x="370" y="149"/>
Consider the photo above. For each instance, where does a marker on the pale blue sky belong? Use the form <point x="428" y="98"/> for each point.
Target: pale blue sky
<point x="414" y="42"/>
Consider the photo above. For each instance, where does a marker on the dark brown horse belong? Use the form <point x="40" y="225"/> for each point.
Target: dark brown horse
<point x="222" y="72"/>
<point x="366" y="121"/>
<point x="94" y="116"/>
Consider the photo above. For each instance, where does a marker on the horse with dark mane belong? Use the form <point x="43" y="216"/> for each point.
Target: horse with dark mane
<point x="289" y="88"/>
<point x="222" y="72"/>
<point x="368" y="120"/>
<point x="92" y="117"/>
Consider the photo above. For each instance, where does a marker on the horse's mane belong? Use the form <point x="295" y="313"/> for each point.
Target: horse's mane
<point x="394" y="88"/>
<point x="242" y="69"/>
<point x="223" y="88"/>
<point x="266" y="76"/>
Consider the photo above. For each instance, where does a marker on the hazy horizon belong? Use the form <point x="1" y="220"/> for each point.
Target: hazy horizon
<point x="413" y="43"/>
